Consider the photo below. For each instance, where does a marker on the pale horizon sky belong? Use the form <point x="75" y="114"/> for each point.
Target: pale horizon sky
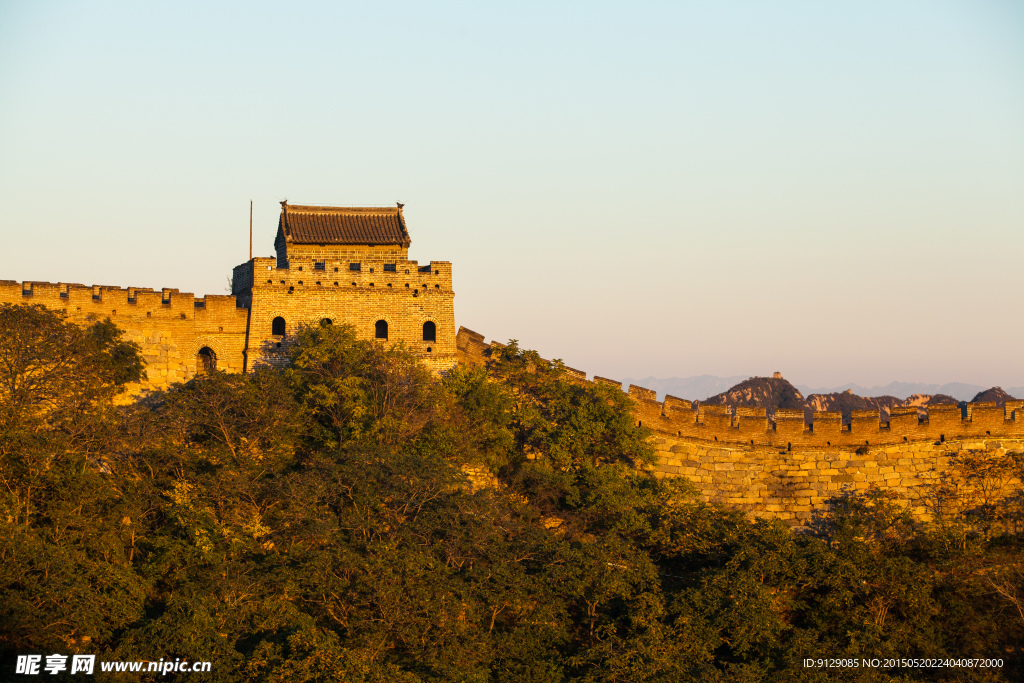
<point x="831" y="190"/>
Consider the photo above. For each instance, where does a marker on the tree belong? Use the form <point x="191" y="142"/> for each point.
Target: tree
<point x="52" y="372"/>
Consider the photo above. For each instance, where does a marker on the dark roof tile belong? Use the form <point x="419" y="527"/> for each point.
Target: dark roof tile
<point x="343" y="225"/>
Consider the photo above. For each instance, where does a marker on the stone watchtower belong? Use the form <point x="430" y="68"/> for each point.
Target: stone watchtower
<point x="346" y="265"/>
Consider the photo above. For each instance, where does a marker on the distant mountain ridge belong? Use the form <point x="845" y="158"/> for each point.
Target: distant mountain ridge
<point x="958" y="390"/>
<point x="701" y="387"/>
<point x="773" y="393"/>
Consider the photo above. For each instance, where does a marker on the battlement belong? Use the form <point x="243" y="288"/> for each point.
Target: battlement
<point x="265" y="273"/>
<point x="785" y="467"/>
<point x="101" y="301"/>
<point x="334" y="265"/>
<point x="788" y="429"/>
<point x="180" y="335"/>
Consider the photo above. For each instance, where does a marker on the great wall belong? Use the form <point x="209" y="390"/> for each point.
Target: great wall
<point x="351" y="265"/>
<point x="333" y="264"/>
<point x="786" y="468"/>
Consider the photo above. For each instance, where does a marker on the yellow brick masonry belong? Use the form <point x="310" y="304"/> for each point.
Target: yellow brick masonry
<point x="173" y="327"/>
<point x="405" y="298"/>
<point x="315" y="283"/>
<point x="788" y="469"/>
<point x="792" y="485"/>
<point x="170" y="326"/>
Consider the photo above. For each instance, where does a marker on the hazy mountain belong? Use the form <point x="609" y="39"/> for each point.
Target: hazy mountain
<point x="696" y="388"/>
<point x="700" y="387"/>
<point x="762" y="392"/>
<point x="845" y="402"/>
<point x="958" y="390"/>
<point x="774" y="392"/>
<point x="994" y="395"/>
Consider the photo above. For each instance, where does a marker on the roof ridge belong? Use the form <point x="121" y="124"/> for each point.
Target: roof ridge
<point x="309" y="208"/>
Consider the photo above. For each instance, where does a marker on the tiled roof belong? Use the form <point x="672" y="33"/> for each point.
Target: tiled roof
<point x="343" y="225"/>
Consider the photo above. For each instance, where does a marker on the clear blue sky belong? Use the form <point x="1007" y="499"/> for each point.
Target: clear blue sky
<point x="833" y="190"/>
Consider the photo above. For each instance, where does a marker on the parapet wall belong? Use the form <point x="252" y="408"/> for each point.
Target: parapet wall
<point x="786" y="468"/>
<point x="787" y="429"/>
<point x="402" y="293"/>
<point x="171" y="327"/>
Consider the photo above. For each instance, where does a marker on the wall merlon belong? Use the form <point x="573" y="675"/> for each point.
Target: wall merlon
<point x="636" y="392"/>
<point x="674" y="403"/>
<point x="1015" y="410"/>
<point x="576" y="375"/>
<point x="749" y="411"/>
<point x="865" y="423"/>
<point x="788" y="429"/>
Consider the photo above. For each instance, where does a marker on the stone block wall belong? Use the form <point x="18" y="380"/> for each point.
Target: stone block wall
<point x="403" y="293"/>
<point x="783" y="467"/>
<point x="792" y="485"/>
<point x="171" y="327"/>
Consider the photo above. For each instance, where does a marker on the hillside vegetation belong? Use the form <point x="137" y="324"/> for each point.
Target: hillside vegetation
<point x="314" y="523"/>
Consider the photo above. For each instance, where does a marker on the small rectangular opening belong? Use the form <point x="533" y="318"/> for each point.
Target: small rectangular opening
<point x="355" y="266"/>
<point x="319" y="266"/>
<point x="390" y="267"/>
<point x="424" y="269"/>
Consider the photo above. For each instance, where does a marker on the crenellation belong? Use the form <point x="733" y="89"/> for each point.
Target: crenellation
<point x="673" y="403"/>
<point x="636" y="392"/>
<point x="182" y="335"/>
<point x="781" y="466"/>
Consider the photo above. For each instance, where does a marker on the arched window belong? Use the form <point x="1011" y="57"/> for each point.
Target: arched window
<point x="277" y="326"/>
<point x="381" y="329"/>
<point x="324" y="322"/>
<point x="206" y="361"/>
<point x="429" y="331"/>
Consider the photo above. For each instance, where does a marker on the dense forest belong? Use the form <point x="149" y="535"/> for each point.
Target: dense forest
<point x="316" y="523"/>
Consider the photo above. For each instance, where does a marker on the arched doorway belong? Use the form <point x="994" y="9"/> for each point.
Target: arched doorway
<point x="277" y="327"/>
<point x="429" y="331"/>
<point x="206" y="361"/>
<point x="381" y="329"/>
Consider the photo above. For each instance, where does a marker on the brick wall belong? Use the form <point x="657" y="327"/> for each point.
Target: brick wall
<point x="786" y="468"/>
<point x="406" y="297"/>
<point x="170" y="326"/>
<point x="173" y="327"/>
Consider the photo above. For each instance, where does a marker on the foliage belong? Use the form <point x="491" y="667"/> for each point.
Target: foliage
<point x="313" y="523"/>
